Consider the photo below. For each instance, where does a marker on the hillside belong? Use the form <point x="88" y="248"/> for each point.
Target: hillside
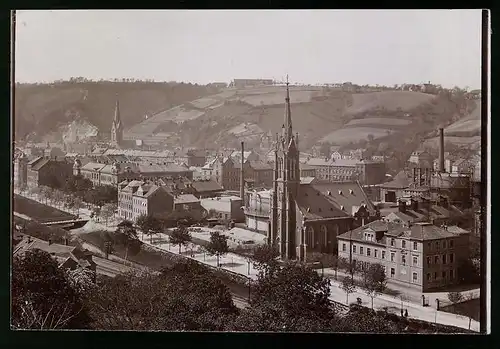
<point x="319" y="115"/>
<point x="465" y="132"/>
<point x="45" y="108"/>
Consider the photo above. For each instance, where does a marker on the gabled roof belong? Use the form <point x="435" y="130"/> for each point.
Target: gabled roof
<point x="35" y="160"/>
<point x="206" y="186"/>
<point x="61" y="252"/>
<point x="350" y="195"/>
<point x="260" y="165"/>
<point x="186" y="199"/>
<point x="314" y="205"/>
<point x="39" y="164"/>
<point x="400" y="181"/>
<point x="93" y="166"/>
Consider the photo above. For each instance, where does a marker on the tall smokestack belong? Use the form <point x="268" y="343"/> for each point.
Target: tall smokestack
<point x="441" y="150"/>
<point x="242" y="179"/>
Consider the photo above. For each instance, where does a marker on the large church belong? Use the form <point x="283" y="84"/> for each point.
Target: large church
<point x="308" y="217"/>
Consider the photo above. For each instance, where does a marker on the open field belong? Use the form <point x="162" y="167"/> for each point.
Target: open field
<point x="389" y="100"/>
<point x="379" y="121"/>
<point x="39" y="212"/>
<point x="355" y="134"/>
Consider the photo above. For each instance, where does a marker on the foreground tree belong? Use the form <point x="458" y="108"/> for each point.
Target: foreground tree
<point x="265" y="257"/>
<point x="149" y="225"/>
<point x="108" y="211"/>
<point x="348" y="287"/>
<point x="288" y="298"/>
<point x="217" y="245"/>
<point x="42" y="297"/>
<point x="185" y="297"/>
<point x="374" y="280"/>
<point x="180" y="236"/>
<point x="455" y="298"/>
<point x="127" y="235"/>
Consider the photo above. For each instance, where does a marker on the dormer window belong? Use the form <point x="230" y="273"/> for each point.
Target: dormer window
<point x="351" y="191"/>
<point x="308" y="209"/>
<point x="342" y="207"/>
<point x="319" y="210"/>
<point x="340" y="192"/>
<point x="329" y="193"/>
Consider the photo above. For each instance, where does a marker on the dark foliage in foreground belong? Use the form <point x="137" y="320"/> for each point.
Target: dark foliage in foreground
<point x="190" y="297"/>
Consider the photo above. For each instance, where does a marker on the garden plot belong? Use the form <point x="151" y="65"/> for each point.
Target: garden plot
<point x="379" y="121"/>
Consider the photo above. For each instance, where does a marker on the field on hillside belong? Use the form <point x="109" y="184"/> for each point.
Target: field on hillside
<point x="279" y="98"/>
<point x="471" y="142"/>
<point x="355" y="134"/>
<point x="379" y="121"/>
<point x="468" y="124"/>
<point x="388" y="100"/>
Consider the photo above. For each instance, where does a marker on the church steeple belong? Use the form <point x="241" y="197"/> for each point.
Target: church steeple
<point x="117" y="119"/>
<point x="287" y="125"/>
<point x="117" y="126"/>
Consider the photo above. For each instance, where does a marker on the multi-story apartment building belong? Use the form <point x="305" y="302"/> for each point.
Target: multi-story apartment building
<point x="106" y="174"/>
<point x="422" y="256"/>
<point x="20" y="170"/>
<point x="196" y="157"/>
<point x="136" y="198"/>
<point x="346" y="170"/>
<point x="48" y="171"/>
<point x="258" y="173"/>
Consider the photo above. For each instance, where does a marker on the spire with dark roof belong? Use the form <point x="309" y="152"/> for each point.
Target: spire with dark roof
<point x="117" y="120"/>
<point x="288" y="116"/>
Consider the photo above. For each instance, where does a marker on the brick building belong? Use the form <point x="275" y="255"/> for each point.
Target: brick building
<point x="365" y="171"/>
<point x="48" y="172"/>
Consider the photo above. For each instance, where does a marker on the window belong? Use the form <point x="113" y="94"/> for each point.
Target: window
<point x="450" y="244"/>
<point x="451" y="257"/>
<point x="368" y="252"/>
<point x="415" y="260"/>
<point x="392" y="256"/>
<point x="343" y="247"/>
<point x="428" y="276"/>
<point x="383" y="254"/>
<point x="429" y="245"/>
<point x="451" y="274"/>
<point x="443" y="275"/>
<point x="429" y="260"/>
<point x="403" y="259"/>
<point x="437" y="245"/>
<point x="393" y="242"/>
<point x="444" y="259"/>
<point x="403" y="244"/>
<point x="415" y="245"/>
<point x="436" y="259"/>
<point x="414" y="277"/>
<point x="393" y="272"/>
<point x="376" y="252"/>
<point x="354" y="248"/>
<point x="435" y="275"/>
<point x="361" y="250"/>
<point x="444" y="244"/>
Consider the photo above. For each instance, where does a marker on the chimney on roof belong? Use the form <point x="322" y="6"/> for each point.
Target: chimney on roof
<point x="441" y="150"/>
<point x="414" y="204"/>
<point x="401" y="206"/>
<point x="242" y="181"/>
<point x="50" y="242"/>
<point x="66" y="241"/>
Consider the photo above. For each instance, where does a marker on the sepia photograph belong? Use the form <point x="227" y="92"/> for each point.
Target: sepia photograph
<point x="250" y="171"/>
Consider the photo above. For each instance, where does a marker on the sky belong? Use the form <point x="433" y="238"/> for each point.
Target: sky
<point x="311" y="46"/>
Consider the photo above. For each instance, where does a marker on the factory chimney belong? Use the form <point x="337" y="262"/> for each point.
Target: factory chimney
<point x="242" y="178"/>
<point x="441" y="150"/>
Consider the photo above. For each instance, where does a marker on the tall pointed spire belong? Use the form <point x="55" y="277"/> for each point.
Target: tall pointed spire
<point x="288" y="115"/>
<point x="117" y="120"/>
